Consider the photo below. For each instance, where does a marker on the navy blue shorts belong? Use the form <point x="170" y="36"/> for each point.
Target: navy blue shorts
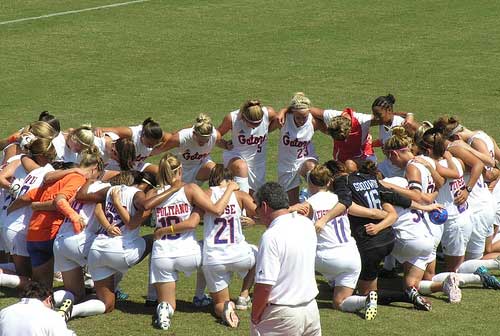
<point x="40" y="251"/>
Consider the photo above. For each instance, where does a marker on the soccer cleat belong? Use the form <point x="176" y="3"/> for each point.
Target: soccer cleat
<point x="243" y="303"/>
<point x="120" y="295"/>
<point x="488" y="280"/>
<point x="371" y="306"/>
<point x="450" y="288"/>
<point x="66" y="309"/>
<point x="229" y="316"/>
<point x="164" y="312"/>
<point x="203" y="301"/>
<point x="419" y="302"/>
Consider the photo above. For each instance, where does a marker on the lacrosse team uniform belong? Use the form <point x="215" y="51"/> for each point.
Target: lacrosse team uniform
<point x="337" y="256"/>
<point x="174" y="252"/>
<point x="224" y="248"/>
<point x="457" y="229"/>
<point x="249" y="144"/>
<point x="16" y="223"/>
<point x="70" y="249"/>
<point x="63" y="152"/>
<point x="414" y="243"/>
<point x="294" y="148"/>
<point x="192" y="155"/>
<point x="109" y="255"/>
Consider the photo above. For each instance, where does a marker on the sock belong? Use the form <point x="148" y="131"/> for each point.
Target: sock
<point x="201" y="283"/>
<point x="151" y="295"/>
<point x="61" y="295"/>
<point x="9" y="280"/>
<point x="118" y="277"/>
<point x="243" y="183"/>
<point x="470" y="266"/>
<point x="353" y="303"/>
<point x="463" y="278"/>
<point x="424" y="287"/>
<point x="89" y="308"/>
<point x="389" y="263"/>
<point x="8" y="267"/>
<point x="386" y="297"/>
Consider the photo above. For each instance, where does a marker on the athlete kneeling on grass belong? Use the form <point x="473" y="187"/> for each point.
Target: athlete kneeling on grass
<point x="175" y="247"/>
<point x="224" y="247"/>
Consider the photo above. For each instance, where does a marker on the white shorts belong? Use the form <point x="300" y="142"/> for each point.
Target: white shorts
<point x="15" y="242"/>
<point x="189" y="173"/>
<point x="456" y="234"/>
<point x="288" y="320"/>
<point x="291" y="179"/>
<point x="218" y="277"/>
<point x="341" y="266"/>
<point x="103" y="264"/>
<point x="482" y="227"/>
<point x="71" y="252"/>
<point x="166" y="269"/>
<point x="256" y="169"/>
<point x="415" y="251"/>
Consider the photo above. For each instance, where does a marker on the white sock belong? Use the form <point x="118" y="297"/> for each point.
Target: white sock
<point x="353" y="303"/>
<point x="470" y="266"/>
<point x="201" y="283"/>
<point x="243" y="183"/>
<point x="89" y="308"/>
<point x="463" y="278"/>
<point x="9" y="280"/>
<point x="424" y="287"/>
<point x="8" y="267"/>
<point x="389" y="262"/>
<point x="61" y="295"/>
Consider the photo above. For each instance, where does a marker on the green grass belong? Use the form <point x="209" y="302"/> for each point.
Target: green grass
<point x="174" y="59"/>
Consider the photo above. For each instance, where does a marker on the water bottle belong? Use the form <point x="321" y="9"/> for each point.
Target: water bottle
<point x="303" y="195"/>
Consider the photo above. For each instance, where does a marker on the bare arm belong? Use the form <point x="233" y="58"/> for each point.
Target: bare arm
<point x="337" y="210"/>
<point x="56" y="175"/>
<point x="188" y="225"/>
<point x="150" y="202"/>
<point x="120" y="209"/>
<point x="361" y="211"/>
<point x="170" y="141"/>
<point x="225" y="125"/>
<point x="392" y="216"/>
<point x="83" y="194"/>
<point x="103" y="221"/>
<point x="122" y="132"/>
<point x="247" y="202"/>
<point x="261" y="294"/>
<point x="198" y="197"/>
<point x="7" y="173"/>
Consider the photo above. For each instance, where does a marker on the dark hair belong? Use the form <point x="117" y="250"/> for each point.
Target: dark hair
<point x="447" y="126"/>
<point x="273" y="194"/>
<point x="369" y="167"/>
<point x="385" y="102"/>
<point x="123" y="178"/>
<point x="219" y="174"/>
<point x="51" y="120"/>
<point x="433" y="140"/>
<point x="146" y="177"/>
<point x="151" y="129"/>
<point x="60" y="165"/>
<point x="36" y="290"/>
<point x="335" y="167"/>
<point x="125" y="149"/>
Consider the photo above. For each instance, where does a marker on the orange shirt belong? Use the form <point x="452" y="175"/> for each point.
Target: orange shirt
<point x="44" y="225"/>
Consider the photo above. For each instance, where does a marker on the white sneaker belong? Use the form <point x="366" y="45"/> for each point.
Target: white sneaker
<point x="229" y="316"/>
<point x="243" y="303"/>
<point x="451" y="289"/>
<point x="371" y="306"/>
<point x="164" y="312"/>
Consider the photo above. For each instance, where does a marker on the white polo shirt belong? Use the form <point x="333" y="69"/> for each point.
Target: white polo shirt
<point x="30" y="317"/>
<point x="286" y="259"/>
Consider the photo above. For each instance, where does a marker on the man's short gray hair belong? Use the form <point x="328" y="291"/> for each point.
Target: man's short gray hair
<point x="273" y="194"/>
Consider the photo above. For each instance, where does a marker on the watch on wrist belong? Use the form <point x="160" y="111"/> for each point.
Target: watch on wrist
<point x="469" y="189"/>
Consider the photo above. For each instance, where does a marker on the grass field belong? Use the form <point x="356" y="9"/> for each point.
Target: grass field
<point x="174" y="59"/>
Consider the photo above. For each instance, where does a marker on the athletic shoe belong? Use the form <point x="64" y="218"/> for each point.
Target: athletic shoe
<point x="120" y="295"/>
<point x="66" y="309"/>
<point x="419" y="302"/>
<point x="164" y="312"/>
<point x="243" y="303"/>
<point x="450" y="288"/>
<point x="371" y="306"/>
<point x="203" y="301"/>
<point x="229" y="316"/>
<point x="488" y="280"/>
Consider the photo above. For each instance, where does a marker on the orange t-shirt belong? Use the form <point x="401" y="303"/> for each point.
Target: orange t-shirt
<point x="44" y="225"/>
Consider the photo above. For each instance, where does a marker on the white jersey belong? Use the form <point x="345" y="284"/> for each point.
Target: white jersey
<point x="480" y="197"/>
<point x="86" y="211"/>
<point x="250" y="143"/>
<point x="295" y="144"/>
<point x="141" y="151"/>
<point x="18" y="220"/>
<point x="190" y="152"/>
<point x="480" y="135"/>
<point x="450" y="188"/>
<point x="337" y="232"/>
<point x="426" y="180"/>
<point x="410" y="223"/>
<point x="6" y="198"/>
<point x="128" y="237"/>
<point x="223" y="235"/>
<point x="385" y="132"/>
<point x="175" y="209"/>
<point x="63" y="152"/>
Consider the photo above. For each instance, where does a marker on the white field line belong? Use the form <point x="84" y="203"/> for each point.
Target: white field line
<point x="73" y="11"/>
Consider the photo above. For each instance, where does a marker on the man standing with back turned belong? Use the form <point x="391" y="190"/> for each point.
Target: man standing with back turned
<point x="285" y="285"/>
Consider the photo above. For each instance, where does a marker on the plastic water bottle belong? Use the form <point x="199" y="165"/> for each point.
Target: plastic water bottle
<point x="303" y="195"/>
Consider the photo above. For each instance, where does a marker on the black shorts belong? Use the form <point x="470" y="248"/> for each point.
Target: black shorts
<point x="370" y="261"/>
